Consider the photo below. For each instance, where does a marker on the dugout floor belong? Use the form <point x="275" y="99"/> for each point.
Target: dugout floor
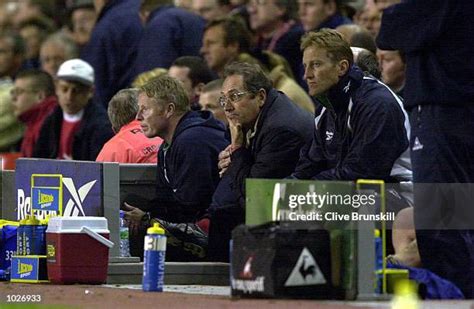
<point x="130" y="296"/>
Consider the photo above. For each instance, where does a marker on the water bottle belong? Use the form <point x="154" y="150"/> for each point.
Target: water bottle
<point x="29" y="236"/>
<point x="154" y="259"/>
<point x="124" y="240"/>
<point x="378" y="261"/>
<point x="20" y="250"/>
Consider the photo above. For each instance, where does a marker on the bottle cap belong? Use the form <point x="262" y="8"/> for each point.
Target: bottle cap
<point x="31" y="220"/>
<point x="155" y="229"/>
<point x="122" y="214"/>
<point x="376" y="233"/>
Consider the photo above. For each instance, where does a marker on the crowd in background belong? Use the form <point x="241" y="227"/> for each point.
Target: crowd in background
<point x="124" y="40"/>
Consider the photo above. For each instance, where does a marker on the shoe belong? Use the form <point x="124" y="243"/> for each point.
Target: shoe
<point x="187" y="237"/>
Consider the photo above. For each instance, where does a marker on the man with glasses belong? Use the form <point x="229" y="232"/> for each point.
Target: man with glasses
<point x="267" y="131"/>
<point x="33" y="99"/>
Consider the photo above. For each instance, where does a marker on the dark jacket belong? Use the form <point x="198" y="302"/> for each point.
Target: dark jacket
<point x="286" y="42"/>
<point x="282" y="129"/>
<point x="112" y="48"/>
<point x="436" y="39"/>
<point x="95" y="130"/>
<point x="360" y="132"/>
<point x="169" y="33"/>
<point x="187" y="169"/>
<point x="333" y="22"/>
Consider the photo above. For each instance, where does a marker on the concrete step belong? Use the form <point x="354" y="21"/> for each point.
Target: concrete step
<point x="188" y="273"/>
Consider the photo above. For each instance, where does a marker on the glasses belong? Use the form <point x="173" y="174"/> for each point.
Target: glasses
<point x="232" y="98"/>
<point x="19" y="91"/>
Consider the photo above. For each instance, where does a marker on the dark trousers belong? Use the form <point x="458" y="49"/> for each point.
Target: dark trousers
<point x="442" y="153"/>
<point x="223" y="221"/>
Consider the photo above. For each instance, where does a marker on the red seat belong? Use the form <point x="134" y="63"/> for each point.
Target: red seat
<point x="8" y="160"/>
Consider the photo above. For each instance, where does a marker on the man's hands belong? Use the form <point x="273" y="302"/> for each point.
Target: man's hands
<point x="134" y="217"/>
<point x="236" y="134"/>
<point x="237" y="137"/>
<point x="224" y="160"/>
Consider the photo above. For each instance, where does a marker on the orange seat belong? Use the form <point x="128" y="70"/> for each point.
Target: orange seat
<point x="8" y="160"/>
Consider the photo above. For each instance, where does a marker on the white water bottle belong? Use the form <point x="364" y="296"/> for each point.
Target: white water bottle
<point x="124" y="237"/>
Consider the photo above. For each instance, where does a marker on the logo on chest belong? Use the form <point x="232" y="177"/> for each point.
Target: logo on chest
<point x="329" y="136"/>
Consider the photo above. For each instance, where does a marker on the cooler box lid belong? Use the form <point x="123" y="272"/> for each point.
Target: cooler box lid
<point x="75" y="224"/>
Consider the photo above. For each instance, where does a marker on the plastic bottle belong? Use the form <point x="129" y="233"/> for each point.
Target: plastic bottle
<point x="20" y="250"/>
<point x="124" y="237"/>
<point x="406" y="296"/>
<point x="378" y="261"/>
<point x="41" y="230"/>
<point x="30" y="236"/>
<point x="154" y="259"/>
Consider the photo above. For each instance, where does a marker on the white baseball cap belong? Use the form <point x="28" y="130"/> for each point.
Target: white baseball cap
<point x="76" y="70"/>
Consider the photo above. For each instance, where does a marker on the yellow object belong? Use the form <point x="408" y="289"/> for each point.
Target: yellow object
<point x="155" y="229"/>
<point x="31" y="220"/>
<point x="406" y="296"/>
<point x="6" y="222"/>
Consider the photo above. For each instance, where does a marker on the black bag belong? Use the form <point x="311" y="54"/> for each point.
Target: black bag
<point x="281" y="260"/>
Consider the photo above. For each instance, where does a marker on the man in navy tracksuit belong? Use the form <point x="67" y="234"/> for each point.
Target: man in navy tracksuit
<point x="360" y="132"/>
<point x="113" y="46"/>
<point x="187" y="159"/>
<point x="436" y="38"/>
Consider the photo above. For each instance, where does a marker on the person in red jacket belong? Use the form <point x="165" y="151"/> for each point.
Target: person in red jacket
<point x="129" y="145"/>
<point x="33" y="99"/>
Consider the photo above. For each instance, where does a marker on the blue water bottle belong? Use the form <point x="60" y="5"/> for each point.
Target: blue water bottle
<point x="154" y="259"/>
<point x="30" y="236"/>
<point x="20" y="250"/>
<point x="378" y="261"/>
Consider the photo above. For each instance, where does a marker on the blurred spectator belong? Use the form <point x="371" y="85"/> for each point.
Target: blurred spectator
<point x="393" y="67"/>
<point x="12" y="54"/>
<point x="34" y="31"/>
<point x="383" y="4"/>
<point x="78" y="128"/>
<point x="112" y="47"/>
<point x="44" y="9"/>
<point x="366" y="61"/>
<point x="273" y="21"/>
<point x="224" y="39"/>
<point x="170" y="32"/>
<point x="82" y="20"/>
<point x="183" y="4"/>
<point x="145" y="77"/>
<point x="11" y="57"/>
<point x="56" y="49"/>
<point x="370" y="18"/>
<point x="33" y="99"/>
<point x="211" y="9"/>
<point x="6" y="13"/>
<point x="129" y="145"/>
<point x="209" y="99"/>
<point x="194" y="73"/>
<point x="358" y="36"/>
<point x="318" y="14"/>
<point x="228" y="39"/>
